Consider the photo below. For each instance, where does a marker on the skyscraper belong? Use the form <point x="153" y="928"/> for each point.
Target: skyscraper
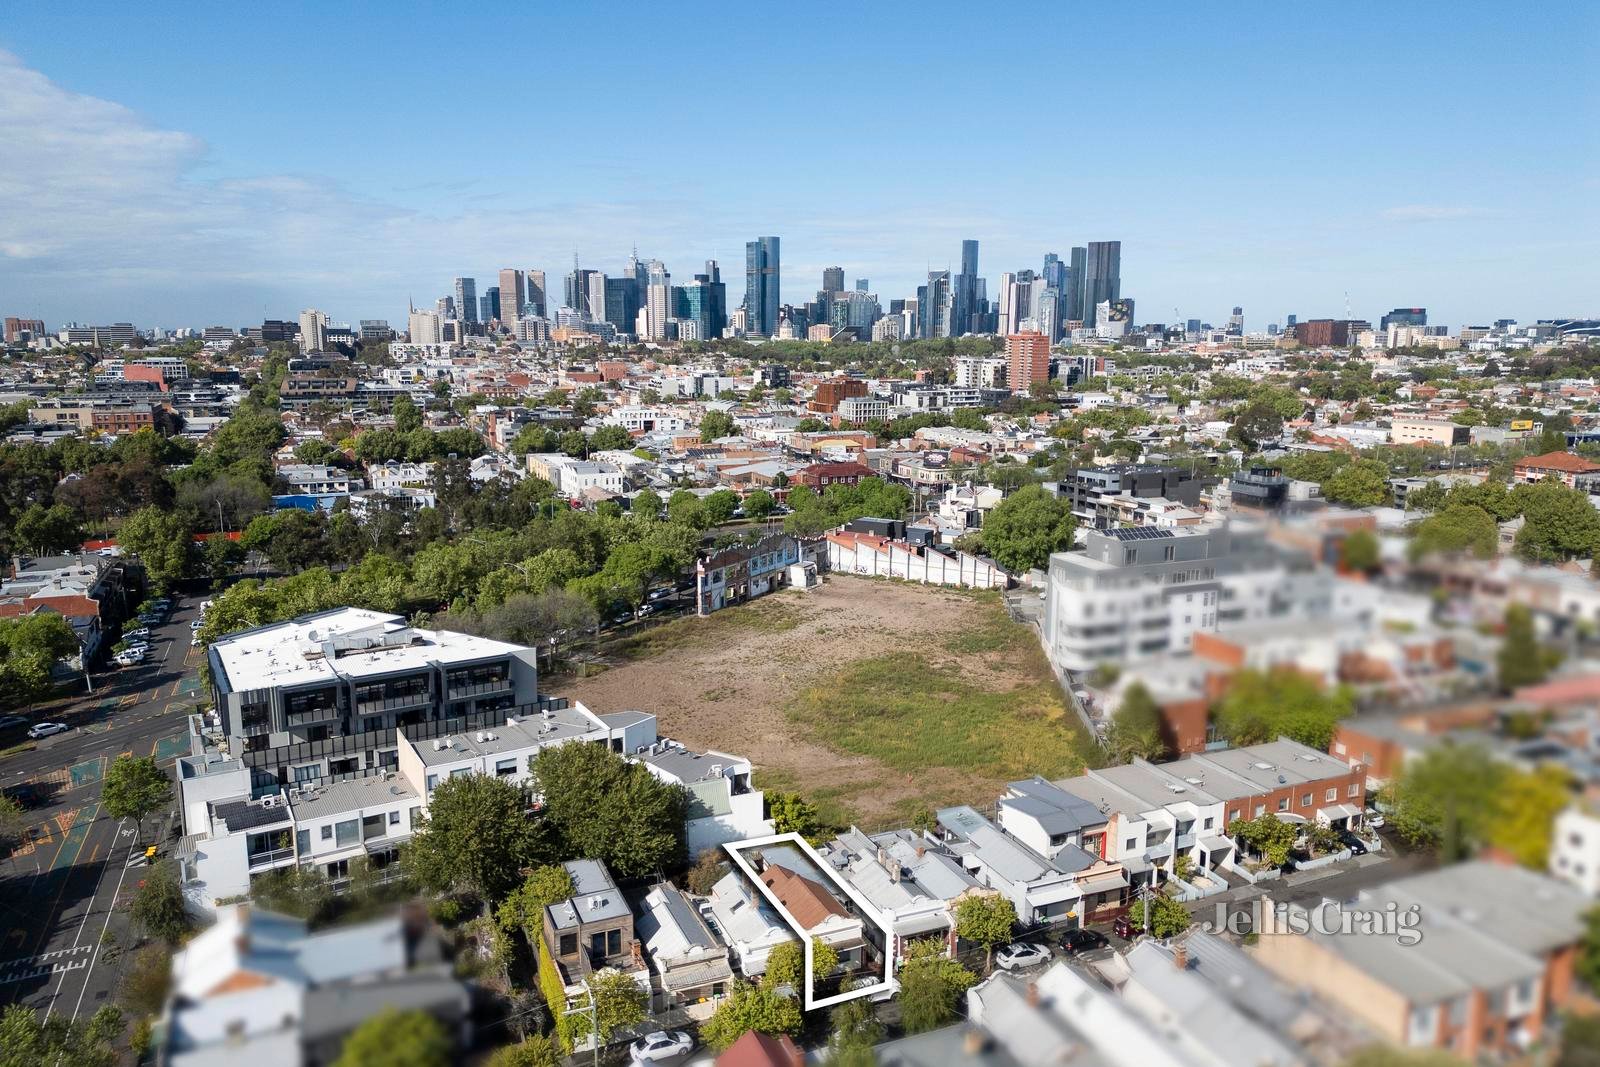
<point x="1007" y="308"/>
<point x="965" y="297"/>
<point x="489" y="304"/>
<point x="1102" y="277"/>
<point x="1236" y="322"/>
<point x="1405" y="317"/>
<point x="936" y="305"/>
<point x="622" y="302"/>
<point x="861" y="285"/>
<point x="717" y="311"/>
<point x="657" y="300"/>
<point x="537" y="297"/>
<point x="513" y="293"/>
<point x="761" y="282"/>
<point x="595" y="301"/>
<point x="467" y="299"/>
<point x="833" y="280"/>
<point x="313" y="330"/>
<point x="1074" y="292"/>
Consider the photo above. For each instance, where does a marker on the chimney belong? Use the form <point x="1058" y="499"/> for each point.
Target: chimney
<point x="1033" y="994"/>
<point x="972" y="1042"/>
<point x="1180" y="956"/>
<point x="921" y="852"/>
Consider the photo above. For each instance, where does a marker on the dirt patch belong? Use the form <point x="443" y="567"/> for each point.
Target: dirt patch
<point x="757" y="680"/>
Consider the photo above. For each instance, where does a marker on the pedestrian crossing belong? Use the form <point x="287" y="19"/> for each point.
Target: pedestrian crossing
<point x="45" y="964"/>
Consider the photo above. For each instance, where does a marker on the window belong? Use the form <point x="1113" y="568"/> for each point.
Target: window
<point x="597" y="944"/>
<point x="416" y="813"/>
<point x="308" y="772"/>
<point x="1261" y="809"/>
<point x="459" y="771"/>
<point x="1331" y="795"/>
<point x="1355" y="789"/>
<point x="613" y="942"/>
<point x="505" y="767"/>
<point x="302" y="841"/>
<point x="1133" y="843"/>
<point x="394" y="818"/>
<point x="1305" y="800"/>
<point x="569" y="944"/>
<point x="347" y="832"/>
<point x="1283" y="803"/>
<point x="1234" y="814"/>
<point x="433" y="781"/>
<point x="327" y="833"/>
<point x="1207" y="824"/>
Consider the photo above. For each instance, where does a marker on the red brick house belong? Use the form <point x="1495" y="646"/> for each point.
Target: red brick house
<point x="819" y="476"/>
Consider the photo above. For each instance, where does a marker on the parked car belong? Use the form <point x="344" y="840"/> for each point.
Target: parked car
<point x="130" y="657"/>
<point x="660" y="1045"/>
<point x="194" y="640"/>
<point x="1374" y="818"/>
<point x="1123" y="928"/>
<point x="660" y="594"/>
<point x="195" y="624"/>
<point x="23" y="793"/>
<point x="11" y="722"/>
<point x="1353" y="843"/>
<point x="46" y="729"/>
<point x="1020" y="955"/>
<point x="136" y="633"/>
<point x="1076" y="941"/>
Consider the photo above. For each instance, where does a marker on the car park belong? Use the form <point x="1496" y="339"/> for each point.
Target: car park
<point x="1020" y="955"/>
<point x="46" y="729"/>
<point x="660" y="1045"/>
<point x="1082" y="940"/>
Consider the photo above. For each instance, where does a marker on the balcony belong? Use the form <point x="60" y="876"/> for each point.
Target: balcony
<point x="463" y="690"/>
<point x="382" y="704"/>
<point x="259" y="860"/>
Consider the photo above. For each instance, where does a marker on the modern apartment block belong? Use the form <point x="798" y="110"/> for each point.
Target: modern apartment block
<point x="1142" y="591"/>
<point x="323" y="695"/>
<point x="1088" y="491"/>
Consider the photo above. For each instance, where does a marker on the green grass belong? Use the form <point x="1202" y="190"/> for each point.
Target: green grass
<point x="769" y="615"/>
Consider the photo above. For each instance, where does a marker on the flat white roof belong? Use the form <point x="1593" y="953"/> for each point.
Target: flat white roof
<point x="294" y="653"/>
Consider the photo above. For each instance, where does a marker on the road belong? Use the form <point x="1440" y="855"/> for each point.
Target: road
<point x="69" y="885"/>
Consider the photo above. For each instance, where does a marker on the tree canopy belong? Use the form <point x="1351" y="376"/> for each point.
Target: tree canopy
<point x="1262" y="706"/>
<point x="475" y="837"/>
<point x="1024" y="528"/>
<point x="604" y="807"/>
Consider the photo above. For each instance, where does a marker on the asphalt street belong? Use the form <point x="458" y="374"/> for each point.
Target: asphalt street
<point x="65" y="892"/>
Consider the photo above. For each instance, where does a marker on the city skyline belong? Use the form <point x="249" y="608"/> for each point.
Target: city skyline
<point x="1279" y="185"/>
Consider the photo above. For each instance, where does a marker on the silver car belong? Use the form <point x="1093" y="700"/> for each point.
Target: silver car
<point x="1020" y="955"/>
<point x="659" y="1046"/>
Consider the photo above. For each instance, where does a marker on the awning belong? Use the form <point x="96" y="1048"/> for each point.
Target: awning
<point x="697" y="975"/>
<point x="1101" y="883"/>
<point x="1289" y="816"/>
<point x="1337" y="811"/>
<point x="1213" y="843"/>
<point x="1135" y="865"/>
<point x="1054" y="894"/>
<point x="921" y="924"/>
<point x="1161" y="817"/>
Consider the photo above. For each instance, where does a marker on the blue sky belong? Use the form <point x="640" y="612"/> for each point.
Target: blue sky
<point x="187" y="164"/>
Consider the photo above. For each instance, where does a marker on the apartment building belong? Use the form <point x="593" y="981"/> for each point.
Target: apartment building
<point x="1440" y="432"/>
<point x="323" y="694"/>
<point x="723" y="805"/>
<point x="1491" y="969"/>
<point x="317" y="479"/>
<point x="1094" y="493"/>
<point x="109" y="415"/>
<point x="742" y="573"/>
<point x="1142" y="591"/>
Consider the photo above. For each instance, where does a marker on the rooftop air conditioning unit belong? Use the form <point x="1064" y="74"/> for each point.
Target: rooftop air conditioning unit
<point x="716" y="770"/>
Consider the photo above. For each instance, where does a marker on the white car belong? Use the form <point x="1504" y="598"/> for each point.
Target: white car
<point x="45" y="729"/>
<point x="136" y="633"/>
<point x="1020" y="955"/>
<point x="129" y="657"/>
<point x="1374" y="819"/>
<point x="661" y="1045"/>
<point x="195" y="624"/>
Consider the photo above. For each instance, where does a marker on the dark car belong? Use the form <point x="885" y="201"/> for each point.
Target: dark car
<point x="1123" y="928"/>
<point x="1353" y="843"/>
<point x="1076" y="941"/>
<point x="24" y="794"/>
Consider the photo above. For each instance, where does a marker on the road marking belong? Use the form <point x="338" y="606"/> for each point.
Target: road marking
<point x="65" y="820"/>
<point x="66" y="876"/>
<point x="47" y="963"/>
<point x="78" y="937"/>
<point x="88" y="772"/>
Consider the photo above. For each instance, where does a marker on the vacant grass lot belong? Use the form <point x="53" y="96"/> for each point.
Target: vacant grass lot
<point x="873" y="698"/>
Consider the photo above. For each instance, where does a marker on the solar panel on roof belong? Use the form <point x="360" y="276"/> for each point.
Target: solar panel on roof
<point x="1138" y="533"/>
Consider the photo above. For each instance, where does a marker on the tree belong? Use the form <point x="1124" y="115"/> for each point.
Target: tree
<point x="647" y="504"/>
<point x="13" y="821"/>
<point x="1446" y="799"/>
<point x="1257" y="421"/>
<point x="1557" y="523"/>
<point x="793" y="814"/>
<point x="709" y="869"/>
<point x="1168" y="918"/>
<point x="758" y="504"/>
<point x="931" y="985"/>
<point x="1135" y="730"/>
<point x="608" y="808"/>
<point x="1262" y="706"/>
<point x="523" y="908"/>
<point x="164" y="542"/>
<point x="397" y="1039"/>
<point x="475" y="837"/>
<point x="44" y="530"/>
<point x="135" y="787"/>
<point x="1266" y="835"/>
<point x="617" y="1002"/>
<point x="1363" y="483"/>
<point x="855" y="1032"/>
<point x="786" y="964"/>
<point x="1359" y="553"/>
<point x="716" y="424"/>
<point x="536" y="1051"/>
<point x="1025" y="527"/>
<point x="30" y="646"/>
<point x="1521" y="661"/>
<point x="1580" y="1039"/>
<point x="720" y="506"/>
<point x="26" y="1040"/>
<point x="1455" y="529"/>
<point x="1588" y="963"/>
<point x="158" y="905"/>
<point x="1526" y="807"/>
<point x="687" y="509"/>
<point x="610" y="438"/>
<point x="750" y="1007"/>
<point x="1387" y="1056"/>
<point x="986" y="921"/>
<point x="406" y="415"/>
<point x="146" y="983"/>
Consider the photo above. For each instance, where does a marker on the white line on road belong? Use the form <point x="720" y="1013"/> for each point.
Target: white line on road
<point x="79" y="935"/>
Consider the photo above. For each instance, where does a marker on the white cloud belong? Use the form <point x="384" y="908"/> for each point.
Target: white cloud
<point x="1430" y="213"/>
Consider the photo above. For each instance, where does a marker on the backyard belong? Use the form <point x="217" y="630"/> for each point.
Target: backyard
<point x="872" y="698"/>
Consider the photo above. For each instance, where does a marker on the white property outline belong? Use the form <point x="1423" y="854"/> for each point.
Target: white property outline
<point x="888" y="985"/>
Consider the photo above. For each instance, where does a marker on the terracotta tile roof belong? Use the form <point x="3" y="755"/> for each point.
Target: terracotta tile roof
<point x="1582" y="689"/>
<point x="756" y="1049"/>
<point x="1558" y="461"/>
<point x="809" y="903"/>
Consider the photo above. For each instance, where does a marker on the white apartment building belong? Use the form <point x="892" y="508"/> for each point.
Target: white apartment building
<point x="723" y="805"/>
<point x="636" y="418"/>
<point x="397" y="475"/>
<point x="1575" y="850"/>
<point x="1143" y="591"/>
<point x="980" y="372"/>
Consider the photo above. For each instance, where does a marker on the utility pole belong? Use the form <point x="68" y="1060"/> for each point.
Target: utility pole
<point x="591" y="1010"/>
